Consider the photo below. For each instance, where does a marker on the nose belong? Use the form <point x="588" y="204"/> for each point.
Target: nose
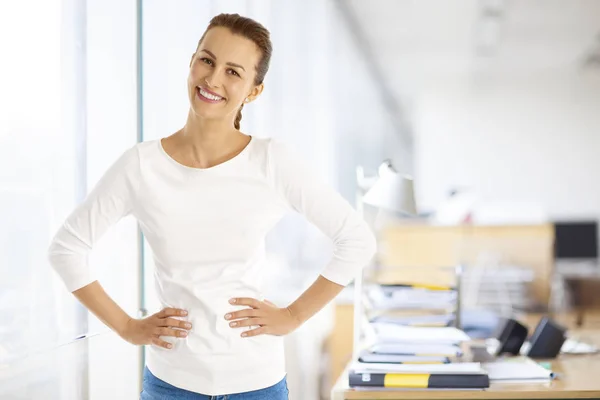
<point x="212" y="80"/>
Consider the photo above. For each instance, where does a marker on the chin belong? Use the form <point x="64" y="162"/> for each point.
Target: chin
<point x="205" y="113"/>
<point x="208" y="111"/>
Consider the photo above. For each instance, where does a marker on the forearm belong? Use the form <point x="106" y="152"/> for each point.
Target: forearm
<point x="95" y="299"/>
<point x="321" y="292"/>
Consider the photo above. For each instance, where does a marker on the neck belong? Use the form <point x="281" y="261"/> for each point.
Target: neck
<point x="208" y="136"/>
<point x="204" y="142"/>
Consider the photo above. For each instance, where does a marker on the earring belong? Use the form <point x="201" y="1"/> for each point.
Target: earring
<point x="247" y="100"/>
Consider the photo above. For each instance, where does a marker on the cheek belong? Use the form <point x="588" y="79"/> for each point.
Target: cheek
<point x="193" y="76"/>
<point x="238" y="89"/>
<point x="197" y="71"/>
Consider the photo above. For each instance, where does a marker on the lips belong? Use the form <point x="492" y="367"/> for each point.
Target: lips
<point x="208" y="95"/>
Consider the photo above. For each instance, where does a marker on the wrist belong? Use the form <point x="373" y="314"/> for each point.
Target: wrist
<point x="123" y="328"/>
<point x="295" y="315"/>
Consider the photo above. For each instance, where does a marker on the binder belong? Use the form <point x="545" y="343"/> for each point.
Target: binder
<point x="418" y="381"/>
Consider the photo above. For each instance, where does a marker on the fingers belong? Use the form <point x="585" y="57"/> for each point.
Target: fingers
<point x="170" y="332"/>
<point x="249" y="312"/>
<point x="255" y="332"/>
<point x="176" y="323"/>
<point x="161" y="343"/>
<point x="246" y="301"/>
<point x="247" y="322"/>
<point x="171" y="312"/>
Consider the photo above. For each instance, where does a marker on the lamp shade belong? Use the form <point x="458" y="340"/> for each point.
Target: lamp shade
<point x="394" y="192"/>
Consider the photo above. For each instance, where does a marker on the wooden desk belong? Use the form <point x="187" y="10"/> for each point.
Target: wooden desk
<point x="579" y="377"/>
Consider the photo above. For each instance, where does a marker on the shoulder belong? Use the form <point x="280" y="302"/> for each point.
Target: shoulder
<point x="283" y="163"/>
<point x="262" y="151"/>
<point x="144" y="153"/>
<point x="274" y="151"/>
<point x="131" y="159"/>
<point x="146" y="147"/>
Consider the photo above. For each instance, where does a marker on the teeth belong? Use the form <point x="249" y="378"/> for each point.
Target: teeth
<point x="209" y="96"/>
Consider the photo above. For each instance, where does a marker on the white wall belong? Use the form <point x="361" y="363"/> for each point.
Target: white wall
<point x="532" y="139"/>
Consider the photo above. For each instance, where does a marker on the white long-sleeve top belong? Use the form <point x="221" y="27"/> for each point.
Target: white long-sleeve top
<point x="207" y="228"/>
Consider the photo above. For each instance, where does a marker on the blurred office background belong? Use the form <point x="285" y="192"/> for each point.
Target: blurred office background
<point x="492" y="106"/>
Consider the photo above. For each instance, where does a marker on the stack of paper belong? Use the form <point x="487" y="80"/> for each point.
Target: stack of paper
<point x="416" y="349"/>
<point x="453" y="368"/>
<point x="406" y="355"/>
<point x="419" y="335"/>
<point x="406" y="297"/>
<point x="516" y="370"/>
<point x="417" y="320"/>
<point x="370" y="357"/>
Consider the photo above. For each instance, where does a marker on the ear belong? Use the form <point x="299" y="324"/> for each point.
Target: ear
<point x="255" y="93"/>
<point x="192" y="59"/>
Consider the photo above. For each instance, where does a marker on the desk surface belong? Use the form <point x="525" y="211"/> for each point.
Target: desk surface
<point x="579" y="377"/>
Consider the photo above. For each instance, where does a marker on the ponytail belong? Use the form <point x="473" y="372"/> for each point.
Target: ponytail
<point x="238" y="118"/>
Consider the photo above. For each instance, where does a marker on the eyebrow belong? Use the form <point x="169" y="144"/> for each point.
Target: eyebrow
<point x="228" y="63"/>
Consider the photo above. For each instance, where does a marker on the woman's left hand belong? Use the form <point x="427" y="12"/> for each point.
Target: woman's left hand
<point x="269" y="318"/>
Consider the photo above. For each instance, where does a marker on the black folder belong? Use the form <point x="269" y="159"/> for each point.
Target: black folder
<point x="419" y="381"/>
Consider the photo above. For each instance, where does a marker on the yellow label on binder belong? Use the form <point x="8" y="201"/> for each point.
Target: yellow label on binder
<point x="431" y="287"/>
<point x="406" y="380"/>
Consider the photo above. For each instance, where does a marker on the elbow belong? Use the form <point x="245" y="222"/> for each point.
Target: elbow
<point x="57" y="252"/>
<point x="56" y="256"/>
<point x="69" y="262"/>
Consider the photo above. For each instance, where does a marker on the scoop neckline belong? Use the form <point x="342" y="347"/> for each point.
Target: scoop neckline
<point x="214" y="167"/>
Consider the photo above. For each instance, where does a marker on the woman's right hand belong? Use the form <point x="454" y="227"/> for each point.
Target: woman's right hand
<point x="147" y="330"/>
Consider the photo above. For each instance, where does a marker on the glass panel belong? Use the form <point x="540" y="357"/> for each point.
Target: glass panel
<point x="40" y="171"/>
<point x="47" y="374"/>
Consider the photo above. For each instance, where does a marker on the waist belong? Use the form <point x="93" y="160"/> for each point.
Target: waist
<point x="211" y="333"/>
<point x="215" y="352"/>
<point x="260" y="366"/>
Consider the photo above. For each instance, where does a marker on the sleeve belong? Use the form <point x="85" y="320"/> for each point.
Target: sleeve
<point x="110" y="200"/>
<point x="305" y="192"/>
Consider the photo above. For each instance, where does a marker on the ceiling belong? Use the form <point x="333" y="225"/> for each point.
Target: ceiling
<point x="416" y="40"/>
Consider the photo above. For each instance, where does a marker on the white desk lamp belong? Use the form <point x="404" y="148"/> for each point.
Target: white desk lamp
<point x="393" y="192"/>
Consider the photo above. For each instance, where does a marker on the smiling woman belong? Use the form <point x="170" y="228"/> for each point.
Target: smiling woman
<point x="205" y="198"/>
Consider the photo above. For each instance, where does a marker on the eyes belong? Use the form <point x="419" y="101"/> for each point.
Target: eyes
<point x="210" y="62"/>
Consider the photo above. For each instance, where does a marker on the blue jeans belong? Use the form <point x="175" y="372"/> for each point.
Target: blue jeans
<point x="157" y="389"/>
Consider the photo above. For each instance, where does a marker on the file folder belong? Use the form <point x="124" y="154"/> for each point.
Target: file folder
<point x="418" y="381"/>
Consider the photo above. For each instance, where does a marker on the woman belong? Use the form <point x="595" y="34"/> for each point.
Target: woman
<point x="205" y="198"/>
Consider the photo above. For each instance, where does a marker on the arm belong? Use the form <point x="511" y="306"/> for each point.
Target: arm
<point x="304" y="191"/>
<point x="273" y="320"/>
<point x="95" y="299"/>
<point x="135" y="331"/>
<point x="354" y="245"/>
<point x="317" y="296"/>
<point x="111" y="199"/>
<point x="99" y="303"/>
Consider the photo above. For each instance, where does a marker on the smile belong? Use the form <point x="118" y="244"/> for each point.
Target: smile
<point x="208" y="96"/>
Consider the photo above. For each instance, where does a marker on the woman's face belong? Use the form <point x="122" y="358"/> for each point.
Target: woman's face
<point x="222" y="73"/>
